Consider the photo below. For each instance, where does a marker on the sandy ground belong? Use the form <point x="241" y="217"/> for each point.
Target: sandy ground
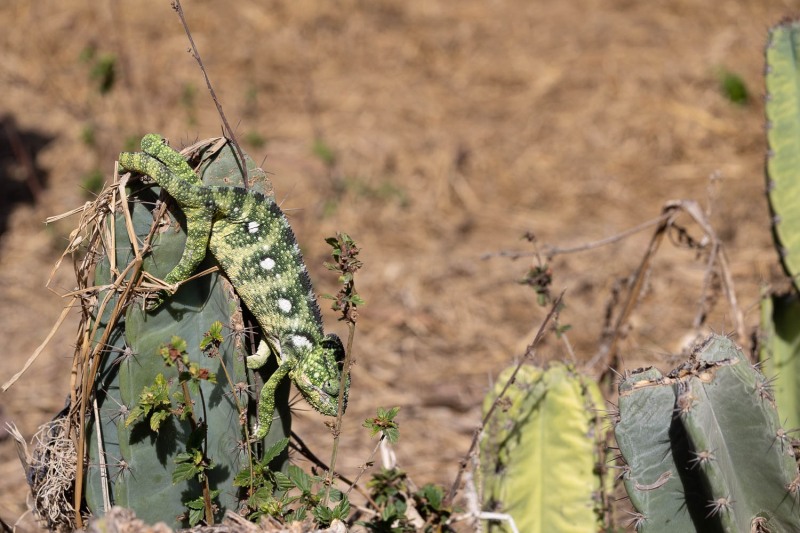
<point x="453" y="129"/>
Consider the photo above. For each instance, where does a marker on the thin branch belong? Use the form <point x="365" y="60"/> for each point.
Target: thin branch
<point x="337" y="427"/>
<point x="529" y="353"/>
<point x="176" y="5"/>
<point x="552" y="251"/>
<point x="608" y="348"/>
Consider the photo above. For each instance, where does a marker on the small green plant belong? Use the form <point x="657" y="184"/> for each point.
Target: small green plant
<point x="189" y="103"/>
<point x="384" y="424"/>
<point x="255" y="139"/>
<point x="88" y="136"/>
<point x="733" y="87"/>
<point x="102" y="68"/>
<point x="92" y="183"/>
<point x="392" y="492"/>
<point x="291" y="495"/>
<point x="324" y="152"/>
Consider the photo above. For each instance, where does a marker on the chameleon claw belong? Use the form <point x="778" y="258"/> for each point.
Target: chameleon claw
<point x="158" y="298"/>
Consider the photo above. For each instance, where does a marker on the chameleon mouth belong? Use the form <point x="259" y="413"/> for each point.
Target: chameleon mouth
<point x="324" y="399"/>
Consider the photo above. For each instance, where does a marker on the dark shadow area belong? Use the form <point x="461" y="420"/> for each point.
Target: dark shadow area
<point x="21" y="179"/>
<point x="696" y="494"/>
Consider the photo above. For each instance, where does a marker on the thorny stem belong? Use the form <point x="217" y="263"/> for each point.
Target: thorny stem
<point x="366" y="467"/>
<point x="243" y="416"/>
<point x="346" y="301"/>
<point x="529" y="352"/>
<point x="337" y="428"/>
<point x="176" y="5"/>
<point x="209" y="512"/>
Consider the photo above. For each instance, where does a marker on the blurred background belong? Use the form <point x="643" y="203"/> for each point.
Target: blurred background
<point x="433" y="132"/>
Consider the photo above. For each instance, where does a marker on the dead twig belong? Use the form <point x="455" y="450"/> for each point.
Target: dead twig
<point x="176" y="5"/>
<point x="551" y="251"/>
<point x="529" y="353"/>
<point x="716" y="259"/>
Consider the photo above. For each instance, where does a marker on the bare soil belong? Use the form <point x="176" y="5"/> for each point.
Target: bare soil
<point x="443" y="131"/>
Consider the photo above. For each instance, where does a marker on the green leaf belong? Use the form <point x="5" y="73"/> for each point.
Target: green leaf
<point x="184" y="472"/>
<point x="178" y="344"/>
<point x="261" y="498"/>
<point x="300" y="479"/>
<point x="323" y="515"/>
<point x="195" y="516"/>
<point x="196" y="504"/>
<point x="433" y="495"/>
<point x="242" y="478"/>
<point x="157" y="418"/>
<point x="342" y="510"/>
<point x="282" y="481"/>
<point x="134" y="415"/>
<point x="274" y="451"/>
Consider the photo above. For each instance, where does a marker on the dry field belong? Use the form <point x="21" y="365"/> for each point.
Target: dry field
<point x="443" y="131"/>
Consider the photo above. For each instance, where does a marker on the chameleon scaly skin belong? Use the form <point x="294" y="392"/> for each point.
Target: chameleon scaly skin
<point x="252" y="241"/>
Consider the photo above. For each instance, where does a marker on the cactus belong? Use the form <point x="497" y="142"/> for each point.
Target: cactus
<point x="779" y="352"/>
<point x="779" y="341"/>
<point x="704" y="449"/>
<point x="783" y="136"/>
<point x="540" y="453"/>
<point x="141" y="463"/>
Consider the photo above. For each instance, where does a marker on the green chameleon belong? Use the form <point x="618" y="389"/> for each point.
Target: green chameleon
<point x="251" y="239"/>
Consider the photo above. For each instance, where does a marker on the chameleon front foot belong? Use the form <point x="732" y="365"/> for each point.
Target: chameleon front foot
<point x="157" y="298"/>
<point x="265" y="413"/>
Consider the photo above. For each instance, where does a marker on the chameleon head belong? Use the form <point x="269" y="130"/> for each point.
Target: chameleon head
<point x="151" y="143"/>
<point x="318" y="376"/>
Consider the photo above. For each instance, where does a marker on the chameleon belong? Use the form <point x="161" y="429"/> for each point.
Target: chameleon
<point x="251" y="239"/>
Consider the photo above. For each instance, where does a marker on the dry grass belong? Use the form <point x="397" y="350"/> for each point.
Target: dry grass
<point x="456" y="127"/>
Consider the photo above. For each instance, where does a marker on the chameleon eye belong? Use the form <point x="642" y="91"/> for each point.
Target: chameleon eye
<point x="331" y="387"/>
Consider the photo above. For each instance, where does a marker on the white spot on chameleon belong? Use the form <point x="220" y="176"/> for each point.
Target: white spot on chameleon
<point x="268" y="264"/>
<point x="252" y="227"/>
<point x="284" y="305"/>
<point x="301" y="341"/>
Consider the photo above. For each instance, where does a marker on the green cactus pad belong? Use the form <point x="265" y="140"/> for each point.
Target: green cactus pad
<point x="646" y="436"/>
<point x="711" y="427"/>
<point x="539" y="453"/>
<point x="779" y="352"/>
<point x="783" y="136"/>
<point x="141" y="462"/>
